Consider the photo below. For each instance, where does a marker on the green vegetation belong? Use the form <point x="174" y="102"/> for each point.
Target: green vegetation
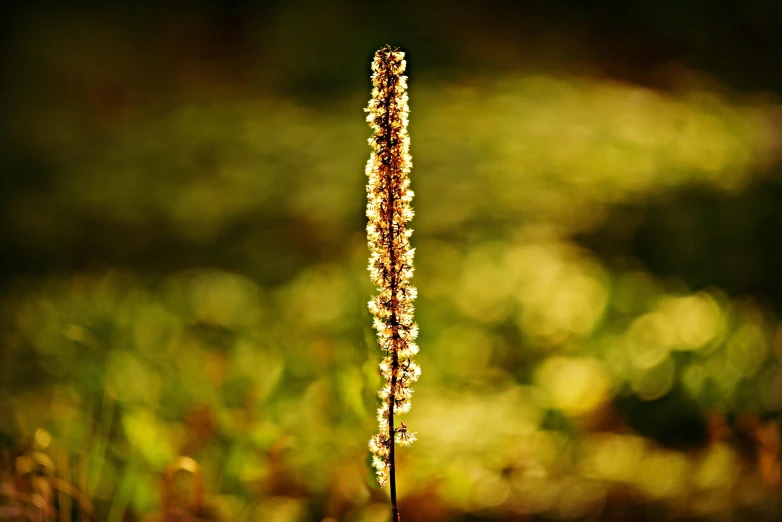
<point x="184" y="302"/>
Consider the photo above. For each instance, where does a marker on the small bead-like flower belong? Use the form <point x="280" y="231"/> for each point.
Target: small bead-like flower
<point x="403" y="436"/>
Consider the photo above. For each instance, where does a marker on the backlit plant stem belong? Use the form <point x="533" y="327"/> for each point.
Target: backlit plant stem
<point x="391" y="258"/>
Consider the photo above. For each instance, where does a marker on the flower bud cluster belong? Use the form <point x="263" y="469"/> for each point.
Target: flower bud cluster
<point x="391" y="257"/>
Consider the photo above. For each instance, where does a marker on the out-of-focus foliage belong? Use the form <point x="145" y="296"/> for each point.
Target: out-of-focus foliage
<point x="539" y="148"/>
<point x="185" y="301"/>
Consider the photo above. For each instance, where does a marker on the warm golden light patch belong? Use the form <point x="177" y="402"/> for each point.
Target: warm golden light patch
<point x="575" y="385"/>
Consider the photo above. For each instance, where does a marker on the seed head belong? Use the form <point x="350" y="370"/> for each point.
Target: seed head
<point x="391" y="257"/>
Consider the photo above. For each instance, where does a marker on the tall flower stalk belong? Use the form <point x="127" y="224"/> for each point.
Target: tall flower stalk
<point x="391" y="258"/>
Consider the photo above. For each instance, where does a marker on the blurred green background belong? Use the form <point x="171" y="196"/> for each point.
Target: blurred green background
<point x="183" y="283"/>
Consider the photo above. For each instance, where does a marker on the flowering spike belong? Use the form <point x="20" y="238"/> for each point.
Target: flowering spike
<point x="391" y="257"/>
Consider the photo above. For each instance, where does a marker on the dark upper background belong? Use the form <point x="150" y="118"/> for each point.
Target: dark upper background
<point x="97" y="66"/>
